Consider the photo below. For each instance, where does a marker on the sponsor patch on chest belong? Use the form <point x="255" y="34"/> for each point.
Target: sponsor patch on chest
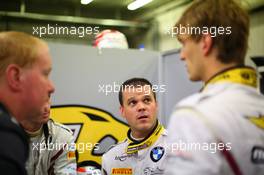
<point x="121" y="171"/>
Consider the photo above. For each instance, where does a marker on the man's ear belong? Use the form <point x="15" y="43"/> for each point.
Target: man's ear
<point x="121" y="109"/>
<point x="13" y="77"/>
<point x="207" y="44"/>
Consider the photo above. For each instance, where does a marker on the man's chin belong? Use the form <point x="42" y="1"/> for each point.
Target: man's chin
<point x="145" y="127"/>
<point x="194" y="79"/>
<point x="45" y="120"/>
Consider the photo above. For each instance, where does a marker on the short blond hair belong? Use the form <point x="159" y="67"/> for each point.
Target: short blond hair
<point x="17" y="48"/>
<point x="226" y="13"/>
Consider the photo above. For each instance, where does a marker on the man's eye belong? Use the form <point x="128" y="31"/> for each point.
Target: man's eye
<point x="147" y="100"/>
<point x="131" y="103"/>
<point x="46" y="73"/>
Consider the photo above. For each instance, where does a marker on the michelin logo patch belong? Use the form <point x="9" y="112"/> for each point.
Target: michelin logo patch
<point x="157" y="153"/>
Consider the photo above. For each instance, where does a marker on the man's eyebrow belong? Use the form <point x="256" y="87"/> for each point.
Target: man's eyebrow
<point x="147" y="95"/>
<point x="130" y="99"/>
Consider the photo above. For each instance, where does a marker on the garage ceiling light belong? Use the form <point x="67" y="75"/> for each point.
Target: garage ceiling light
<point x="85" y="2"/>
<point x="137" y="4"/>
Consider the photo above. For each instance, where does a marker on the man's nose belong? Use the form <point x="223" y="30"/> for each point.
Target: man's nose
<point x="141" y="106"/>
<point x="182" y="55"/>
<point x="52" y="87"/>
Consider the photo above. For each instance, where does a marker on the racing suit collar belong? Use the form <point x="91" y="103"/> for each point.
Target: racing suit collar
<point x="239" y="74"/>
<point x="47" y="133"/>
<point x="134" y="145"/>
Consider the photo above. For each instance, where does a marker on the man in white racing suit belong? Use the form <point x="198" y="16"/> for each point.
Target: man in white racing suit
<point x="219" y="131"/>
<point x="51" y="147"/>
<point x="144" y="150"/>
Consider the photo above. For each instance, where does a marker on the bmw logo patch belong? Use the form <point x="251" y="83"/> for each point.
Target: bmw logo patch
<point x="157" y="153"/>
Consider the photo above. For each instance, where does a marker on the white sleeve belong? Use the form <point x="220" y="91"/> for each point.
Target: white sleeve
<point x="103" y="169"/>
<point x="191" y="145"/>
<point x="66" y="164"/>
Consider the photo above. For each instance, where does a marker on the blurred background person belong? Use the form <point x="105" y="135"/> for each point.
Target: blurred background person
<point x="224" y="119"/>
<point x="52" y="149"/>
